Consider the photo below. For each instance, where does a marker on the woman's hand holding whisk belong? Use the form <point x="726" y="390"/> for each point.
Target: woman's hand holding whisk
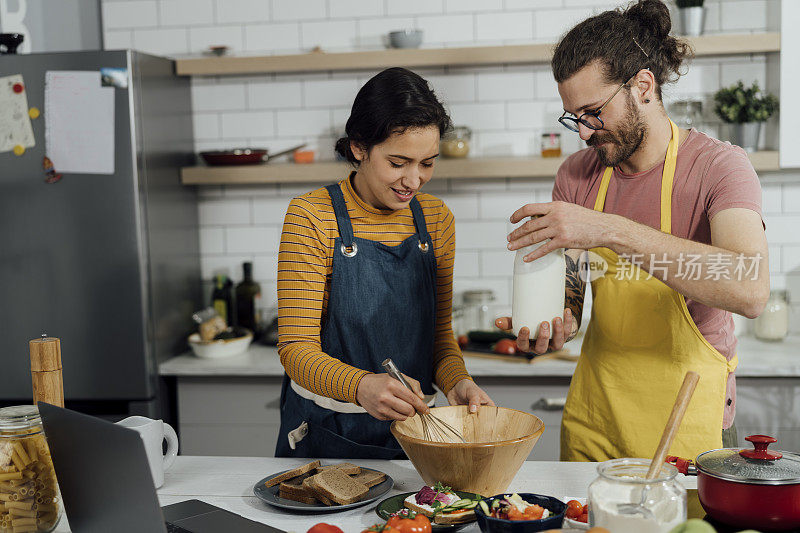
<point x="385" y="398"/>
<point x="466" y="392"/>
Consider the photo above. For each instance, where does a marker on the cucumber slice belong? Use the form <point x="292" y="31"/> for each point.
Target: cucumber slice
<point x="485" y="508"/>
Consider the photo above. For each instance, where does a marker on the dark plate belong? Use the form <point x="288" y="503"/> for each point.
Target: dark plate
<point x="497" y="525"/>
<point x="389" y="506"/>
<point x="270" y="495"/>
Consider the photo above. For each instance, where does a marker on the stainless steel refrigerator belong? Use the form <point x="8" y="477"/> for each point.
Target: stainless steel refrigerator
<point x="109" y="263"/>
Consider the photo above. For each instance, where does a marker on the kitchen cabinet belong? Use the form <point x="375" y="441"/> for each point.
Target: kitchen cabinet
<point x="240" y="416"/>
<point x="237" y="416"/>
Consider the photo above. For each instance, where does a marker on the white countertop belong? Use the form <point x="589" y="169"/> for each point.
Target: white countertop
<point x="228" y="483"/>
<point x="756" y="359"/>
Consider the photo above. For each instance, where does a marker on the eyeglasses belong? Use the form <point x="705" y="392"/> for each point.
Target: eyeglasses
<point x="590" y="119"/>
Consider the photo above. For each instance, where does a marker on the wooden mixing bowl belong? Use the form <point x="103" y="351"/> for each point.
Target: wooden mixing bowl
<point x="498" y="442"/>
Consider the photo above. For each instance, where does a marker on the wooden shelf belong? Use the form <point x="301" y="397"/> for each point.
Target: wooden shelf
<point x="330" y="171"/>
<point x="706" y="45"/>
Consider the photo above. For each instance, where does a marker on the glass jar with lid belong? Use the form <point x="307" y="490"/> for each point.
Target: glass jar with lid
<point x="29" y="495"/>
<point x="477" y="315"/>
<point x="773" y="322"/>
<point x="687" y="113"/>
<point x="622" y="482"/>
<point x="455" y="143"/>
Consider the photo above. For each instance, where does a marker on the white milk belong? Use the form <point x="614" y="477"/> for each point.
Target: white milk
<point x="538" y="290"/>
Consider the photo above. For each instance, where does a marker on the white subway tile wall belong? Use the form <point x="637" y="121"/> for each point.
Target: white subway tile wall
<point x="507" y="107"/>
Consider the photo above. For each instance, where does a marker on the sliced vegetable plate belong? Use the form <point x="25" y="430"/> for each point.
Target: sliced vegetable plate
<point x="389" y="506"/>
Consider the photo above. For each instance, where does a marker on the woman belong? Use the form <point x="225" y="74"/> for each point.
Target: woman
<point x="365" y="273"/>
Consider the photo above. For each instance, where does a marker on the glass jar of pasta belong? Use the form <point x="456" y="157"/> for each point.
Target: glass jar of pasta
<point x="29" y="497"/>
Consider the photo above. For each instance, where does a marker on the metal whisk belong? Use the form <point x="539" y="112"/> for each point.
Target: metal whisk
<point x="433" y="428"/>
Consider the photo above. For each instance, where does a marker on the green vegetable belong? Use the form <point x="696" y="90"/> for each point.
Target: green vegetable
<point x="485" y="508"/>
<point x="737" y="104"/>
<point x="694" y="525"/>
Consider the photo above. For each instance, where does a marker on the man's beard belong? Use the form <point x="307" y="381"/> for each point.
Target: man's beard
<point x="630" y="134"/>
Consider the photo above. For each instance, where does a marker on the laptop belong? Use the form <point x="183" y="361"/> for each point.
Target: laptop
<point x="106" y="484"/>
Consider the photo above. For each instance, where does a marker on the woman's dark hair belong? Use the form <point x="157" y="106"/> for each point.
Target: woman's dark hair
<point x="615" y="37"/>
<point x="391" y="102"/>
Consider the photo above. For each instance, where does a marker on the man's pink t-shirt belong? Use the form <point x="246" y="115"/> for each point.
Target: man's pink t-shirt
<point x="710" y="176"/>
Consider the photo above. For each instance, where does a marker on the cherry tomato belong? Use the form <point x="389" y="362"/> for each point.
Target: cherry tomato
<point x="411" y="524"/>
<point x="574" y="509"/>
<point x="533" y="512"/>
<point x="515" y="514"/>
<point x="322" y="527"/>
<point x="584" y="517"/>
<point x="505" y="346"/>
<point x="463" y="340"/>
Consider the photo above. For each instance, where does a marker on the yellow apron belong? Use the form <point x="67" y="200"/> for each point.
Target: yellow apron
<point x="640" y="343"/>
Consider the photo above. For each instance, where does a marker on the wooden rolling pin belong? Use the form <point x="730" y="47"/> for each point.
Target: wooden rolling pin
<point x="48" y="384"/>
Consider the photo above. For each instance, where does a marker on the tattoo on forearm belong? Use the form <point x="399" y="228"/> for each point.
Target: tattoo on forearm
<point x="575" y="287"/>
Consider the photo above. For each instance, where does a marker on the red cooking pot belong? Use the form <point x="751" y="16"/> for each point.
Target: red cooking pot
<point x="749" y="488"/>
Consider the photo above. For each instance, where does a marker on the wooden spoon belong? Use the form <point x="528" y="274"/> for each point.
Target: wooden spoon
<point x="671" y="429"/>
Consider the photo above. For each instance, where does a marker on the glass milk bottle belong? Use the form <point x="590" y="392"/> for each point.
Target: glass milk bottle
<point x="773" y="323"/>
<point x="538" y="289"/>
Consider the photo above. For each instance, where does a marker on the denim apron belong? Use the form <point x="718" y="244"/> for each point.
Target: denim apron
<point x="382" y="303"/>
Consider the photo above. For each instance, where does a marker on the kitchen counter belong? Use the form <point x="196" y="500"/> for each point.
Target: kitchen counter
<point x="228" y="481"/>
<point x="231" y="406"/>
<point x="756" y="359"/>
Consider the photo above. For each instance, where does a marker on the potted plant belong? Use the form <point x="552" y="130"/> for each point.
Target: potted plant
<point x="745" y="109"/>
<point x="693" y="16"/>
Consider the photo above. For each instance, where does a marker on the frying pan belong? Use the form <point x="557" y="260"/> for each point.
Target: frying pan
<point x="242" y="156"/>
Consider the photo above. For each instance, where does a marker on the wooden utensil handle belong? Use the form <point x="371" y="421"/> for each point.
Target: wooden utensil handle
<point x="674" y="422"/>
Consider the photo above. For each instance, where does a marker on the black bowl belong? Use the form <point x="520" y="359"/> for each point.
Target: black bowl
<point x="556" y="507"/>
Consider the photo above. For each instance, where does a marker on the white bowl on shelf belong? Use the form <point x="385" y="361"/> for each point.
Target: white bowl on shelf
<point x="219" y="349"/>
<point x="408" y="38"/>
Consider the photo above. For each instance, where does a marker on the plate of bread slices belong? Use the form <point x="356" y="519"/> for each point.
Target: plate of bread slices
<point x="447" y="509"/>
<point x="323" y="488"/>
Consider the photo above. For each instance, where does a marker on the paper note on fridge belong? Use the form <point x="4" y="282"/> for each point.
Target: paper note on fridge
<point x="79" y="122"/>
<point x="15" y="124"/>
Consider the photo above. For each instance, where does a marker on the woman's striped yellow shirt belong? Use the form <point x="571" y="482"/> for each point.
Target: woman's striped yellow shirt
<point x="305" y="260"/>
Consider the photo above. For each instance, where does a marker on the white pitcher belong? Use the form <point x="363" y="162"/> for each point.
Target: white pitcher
<point x="153" y="433"/>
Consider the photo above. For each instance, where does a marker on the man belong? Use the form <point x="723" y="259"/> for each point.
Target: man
<point x="676" y="217"/>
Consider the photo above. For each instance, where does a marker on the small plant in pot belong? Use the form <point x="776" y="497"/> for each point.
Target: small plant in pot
<point x="745" y="108"/>
<point x="693" y="16"/>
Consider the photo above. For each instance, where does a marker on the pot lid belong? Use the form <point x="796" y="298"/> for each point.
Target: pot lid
<point x="757" y="466"/>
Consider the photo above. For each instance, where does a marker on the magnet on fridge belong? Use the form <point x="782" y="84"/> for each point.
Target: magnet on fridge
<point x="19" y="149"/>
<point x="34" y="112"/>
<point x="17" y="88"/>
<point x="50" y="171"/>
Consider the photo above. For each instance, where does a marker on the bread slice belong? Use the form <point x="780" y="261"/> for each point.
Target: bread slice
<point x="370" y="478"/>
<point x="289" y="474"/>
<point x="338" y="486"/>
<point x="310" y="488"/>
<point x="456" y="517"/>
<point x="296" y="491"/>
<point x="348" y="468"/>
<point x="297" y="497"/>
